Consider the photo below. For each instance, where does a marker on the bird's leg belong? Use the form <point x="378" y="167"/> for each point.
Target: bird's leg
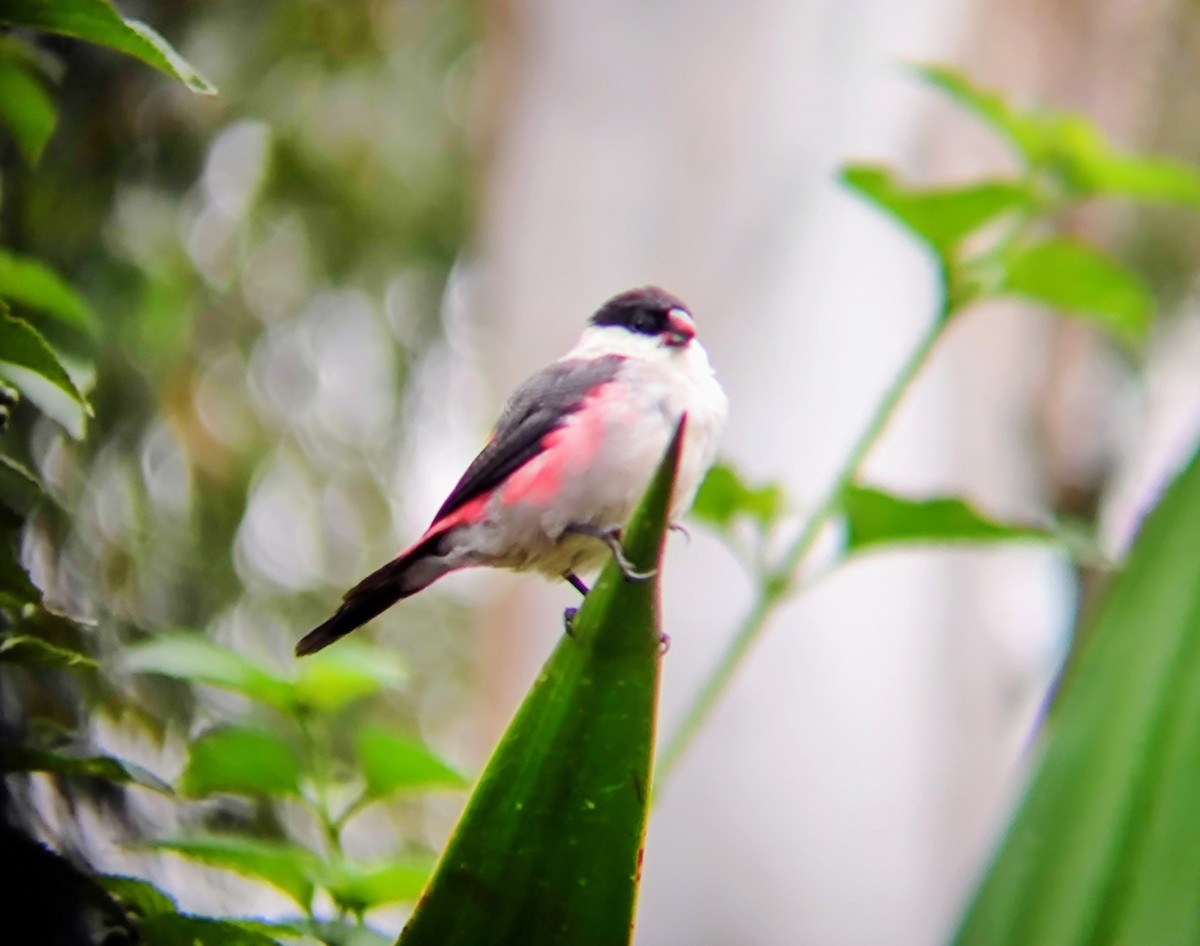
<point x="612" y="538"/>
<point x="576" y="582"/>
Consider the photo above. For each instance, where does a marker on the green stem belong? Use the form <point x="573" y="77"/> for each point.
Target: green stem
<point x="780" y="582"/>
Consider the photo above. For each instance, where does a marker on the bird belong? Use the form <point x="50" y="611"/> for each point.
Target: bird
<point x="573" y="451"/>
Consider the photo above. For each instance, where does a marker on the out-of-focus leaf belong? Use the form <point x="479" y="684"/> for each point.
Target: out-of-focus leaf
<point x="875" y="517"/>
<point x="242" y="761"/>
<point x="351" y="671"/>
<point x="138" y="896"/>
<point x="180" y="929"/>
<point x="15" y="758"/>
<point x="991" y="108"/>
<point x="549" y="847"/>
<point x="724" y="496"/>
<point x="98" y="22"/>
<point x="1075" y="278"/>
<point x="16" y="589"/>
<point x="284" y="866"/>
<point x="391" y="763"/>
<point x="34" y="652"/>
<point x="26" y="109"/>
<point x="33" y="284"/>
<point x="342" y="933"/>
<point x="942" y="217"/>
<point x="24" y="358"/>
<point x="361" y="887"/>
<point x="20" y="490"/>
<point x="192" y="657"/>
<point x="1105" y="846"/>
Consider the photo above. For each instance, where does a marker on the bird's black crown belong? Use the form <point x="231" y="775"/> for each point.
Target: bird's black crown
<point x="645" y="311"/>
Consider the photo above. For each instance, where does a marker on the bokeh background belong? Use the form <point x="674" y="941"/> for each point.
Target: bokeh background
<point x="316" y="288"/>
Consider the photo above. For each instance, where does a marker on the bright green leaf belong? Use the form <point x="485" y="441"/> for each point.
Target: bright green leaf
<point x="724" y="496"/>
<point x="1105" y="847"/>
<point x="241" y="761"/>
<point x="361" y="887"/>
<point x="548" y="849"/>
<point x="989" y="107"/>
<point x="26" y="109"/>
<point x="31" y="365"/>
<point x="179" y="929"/>
<point x="285" y="866"/>
<point x="1075" y="278"/>
<point x="874" y="517"/>
<point x="98" y="22"/>
<point x="137" y="896"/>
<point x="194" y="658"/>
<point x="34" y="652"/>
<point x="31" y="283"/>
<point x="942" y="217"/>
<point x="25" y="759"/>
<point x="351" y="671"/>
<point x="391" y="763"/>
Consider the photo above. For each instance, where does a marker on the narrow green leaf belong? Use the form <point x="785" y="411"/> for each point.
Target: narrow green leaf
<point x="20" y="490"/>
<point x="361" y="887"/>
<point x="34" y="652"/>
<point x="942" y="217"/>
<point x="180" y="929"/>
<point x="192" y="657"/>
<point x="724" y="496"/>
<point x="15" y="758"/>
<point x="392" y="763"/>
<point x="98" y="22"/>
<point x="31" y="283"/>
<point x="284" y="866"/>
<point x="1105" y="847"/>
<point x="351" y="671"/>
<point x="989" y="107"/>
<point x="241" y="761"/>
<point x="138" y="896"/>
<point x="874" y="517"/>
<point x="26" y="109"/>
<point x="1075" y="278"/>
<point x="31" y="365"/>
<point x="549" y="847"/>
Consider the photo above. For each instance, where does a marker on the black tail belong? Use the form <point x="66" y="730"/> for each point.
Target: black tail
<point x="371" y="597"/>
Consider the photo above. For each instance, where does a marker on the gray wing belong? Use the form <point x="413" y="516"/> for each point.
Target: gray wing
<point x="538" y="407"/>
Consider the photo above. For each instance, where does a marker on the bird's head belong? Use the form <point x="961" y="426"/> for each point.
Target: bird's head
<point x="641" y="321"/>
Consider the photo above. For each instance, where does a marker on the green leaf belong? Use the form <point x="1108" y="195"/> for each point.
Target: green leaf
<point x="179" y="929"/>
<point x="241" y="761"/>
<point x="351" y="671"/>
<point x="284" y="866"/>
<point x="391" y="763"/>
<point x="20" y="490"/>
<point x="31" y="283"/>
<point x="875" y="517"/>
<point x="194" y="658"/>
<point x="137" y="896"/>
<point x="34" y="652"/>
<point x="15" y="758"/>
<point x="724" y="496"/>
<point x="26" y="360"/>
<point x="26" y="109"/>
<point x="362" y="887"/>
<point x="942" y="217"/>
<point x="98" y="22"/>
<point x="1105" y="846"/>
<point x="549" y="847"/>
<point x="989" y="107"/>
<point x="1073" y="277"/>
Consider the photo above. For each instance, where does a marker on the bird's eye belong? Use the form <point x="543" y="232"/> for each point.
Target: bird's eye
<point x="644" y="321"/>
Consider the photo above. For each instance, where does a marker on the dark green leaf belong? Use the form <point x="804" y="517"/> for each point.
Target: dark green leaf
<point x="280" y="864"/>
<point x="361" y="887"/>
<point x="138" y="896"/>
<point x="1075" y="278"/>
<point x="242" y="761"/>
<point x="548" y="849"/>
<point x="875" y="517"/>
<point x="941" y="217"/>
<point x="26" y="360"/>
<point x="724" y="496"/>
<point x="1105" y="847"/>
<point x="33" y="284"/>
<point x="20" y="490"/>
<point x="192" y="657"/>
<point x="351" y="671"/>
<point x="34" y="652"/>
<point x="24" y="759"/>
<point x="26" y="109"/>
<point x="391" y="763"/>
<point x="97" y="22"/>
<point x="178" y="929"/>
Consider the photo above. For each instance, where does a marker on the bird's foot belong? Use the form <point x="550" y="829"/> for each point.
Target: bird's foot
<point x="681" y="529"/>
<point x="664" y="643"/>
<point x="612" y="538"/>
<point x="569" y="621"/>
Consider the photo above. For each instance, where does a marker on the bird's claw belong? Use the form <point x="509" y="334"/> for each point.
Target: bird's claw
<point x="569" y="621"/>
<point x="681" y="529"/>
<point x="664" y="643"/>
